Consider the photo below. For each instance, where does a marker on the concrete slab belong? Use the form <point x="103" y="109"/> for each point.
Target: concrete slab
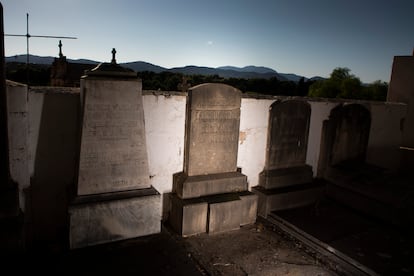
<point x="224" y="213"/>
<point x="287" y="198"/>
<point x="106" y="221"/>
<point x="248" y="208"/>
<point x="188" y="217"/>
<point x="211" y="184"/>
<point x="278" y="178"/>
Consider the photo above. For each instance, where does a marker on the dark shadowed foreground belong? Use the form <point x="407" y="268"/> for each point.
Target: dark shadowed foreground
<point x="252" y="250"/>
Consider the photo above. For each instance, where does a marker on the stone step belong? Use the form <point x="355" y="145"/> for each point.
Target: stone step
<point x="98" y="222"/>
<point x="287" y="197"/>
<point x="204" y="185"/>
<point x="188" y="216"/>
<point x="212" y="214"/>
<point x="374" y="191"/>
<point x="284" y="177"/>
<point x="394" y="210"/>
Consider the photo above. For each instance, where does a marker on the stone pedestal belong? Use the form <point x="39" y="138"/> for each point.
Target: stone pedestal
<point x="210" y="184"/>
<point x="278" y="178"/>
<point x="211" y="195"/>
<point x="114" y="199"/>
<point x="96" y="219"/>
<point x="287" y="197"/>
<point x="212" y="214"/>
<point x="286" y="181"/>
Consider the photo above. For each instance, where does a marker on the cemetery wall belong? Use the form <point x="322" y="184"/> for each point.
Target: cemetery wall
<point x="50" y="120"/>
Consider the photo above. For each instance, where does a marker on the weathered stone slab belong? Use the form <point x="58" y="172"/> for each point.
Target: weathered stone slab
<point x="211" y="184"/>
<point x="224" y="213"/>
<point x="113" y="220"/>
<point x="212" y="132"/>
<point x="188" y="217"/>
<point x="113" y="155"/>
<point x="352" y="126"/>
<point x="248" y="208"/>
<point x="288" y="134"/>
<point x="284" y="177"/>
<point x="287" y="198"/>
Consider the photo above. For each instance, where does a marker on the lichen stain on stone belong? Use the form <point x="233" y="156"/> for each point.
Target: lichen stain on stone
<point x="242" y="137"/>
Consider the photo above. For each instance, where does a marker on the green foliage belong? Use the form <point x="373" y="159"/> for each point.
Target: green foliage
<point x="38" y="74"/>
<point x="170" y="81"/>
<point x="342" y="84"/>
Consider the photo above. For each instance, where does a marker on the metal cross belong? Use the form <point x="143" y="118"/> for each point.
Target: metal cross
<point x="27" y="35"/>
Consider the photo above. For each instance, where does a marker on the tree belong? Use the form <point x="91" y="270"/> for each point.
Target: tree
<point x="377" y="91"/>
<point x="342" y="84"/>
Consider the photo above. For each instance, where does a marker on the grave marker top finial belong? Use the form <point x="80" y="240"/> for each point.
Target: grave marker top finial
<point x="113" y="61"/>
<point x="60" y="48"/>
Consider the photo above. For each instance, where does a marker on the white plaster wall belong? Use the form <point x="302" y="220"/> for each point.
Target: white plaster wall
<point x="165" y="130"/>
<point x="35" y="116"/>
<point x="254" y="119"/>
<point x="385" y="134"/>
<point x="17" y="108"/>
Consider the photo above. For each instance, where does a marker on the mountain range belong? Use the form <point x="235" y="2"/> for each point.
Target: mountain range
<point x="247" y="72"/>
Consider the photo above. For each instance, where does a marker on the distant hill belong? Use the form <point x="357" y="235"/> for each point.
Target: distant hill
<point x="45" y="60"/>
<point x="293" y="77"/>
<point x="247" y="72"/>
<point x="140" y="66"/>
<point x="32" y="59"/>
<point x="251" y="68"/>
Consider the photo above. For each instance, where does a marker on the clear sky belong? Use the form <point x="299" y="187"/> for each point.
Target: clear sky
<point x="305" y="37"/>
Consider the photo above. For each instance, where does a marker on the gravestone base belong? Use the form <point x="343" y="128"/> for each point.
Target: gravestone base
<point x="224" y="213"/>
<point x="102" y="218"/>
<point x="210" y="184"/>
<point x="188" y="216"/>
<point x="212" y="214"/>
<point x="287" y="197"/>
<point x="248" y="207"/>
<point x="284" y="177"/>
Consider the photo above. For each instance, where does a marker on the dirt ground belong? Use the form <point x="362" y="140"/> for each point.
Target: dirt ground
<point x="253" y="250"/>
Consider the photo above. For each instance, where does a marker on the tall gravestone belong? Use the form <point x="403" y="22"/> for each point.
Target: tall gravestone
<point x="344" y="137"/>
<point x="286" y="180"/>
<point x="211" y="195"/>
<point x="114" y="199"/>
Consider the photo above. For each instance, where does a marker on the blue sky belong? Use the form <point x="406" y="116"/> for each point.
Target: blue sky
<point x="309" y="38"/>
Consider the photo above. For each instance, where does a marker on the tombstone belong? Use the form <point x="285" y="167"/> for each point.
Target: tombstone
<point x="286" y="180"/>
<point x="401" y="89"/>
<point x="344" y="142"/>
<point x="114" y="199"/>
<point x="11" y="238"/>
<point x="344" y="137"/>
<point x="211" y="181"/>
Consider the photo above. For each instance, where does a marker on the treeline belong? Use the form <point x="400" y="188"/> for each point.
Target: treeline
<point x="38" y="74"/>
<point x="169" y="81"/>
<point x="342" y="84"/>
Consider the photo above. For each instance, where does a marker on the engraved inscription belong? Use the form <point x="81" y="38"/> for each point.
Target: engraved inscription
<point x="113" y="150"/>
<point x="289" y="123"/>
<point x="213" y="131"/>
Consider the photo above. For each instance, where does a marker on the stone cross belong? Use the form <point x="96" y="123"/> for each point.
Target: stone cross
<point x="60" y="48"/>
<point x="113" y="61"/>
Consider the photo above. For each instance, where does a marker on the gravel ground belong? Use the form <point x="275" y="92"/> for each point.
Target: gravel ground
<point x="252" y="250"/>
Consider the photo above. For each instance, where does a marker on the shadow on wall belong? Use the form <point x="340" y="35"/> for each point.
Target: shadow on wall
<point x="344" y="136"/>
<point x="54" y="172"/>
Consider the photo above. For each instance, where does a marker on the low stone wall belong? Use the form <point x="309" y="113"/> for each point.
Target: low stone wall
<point x="50" y="121"/>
